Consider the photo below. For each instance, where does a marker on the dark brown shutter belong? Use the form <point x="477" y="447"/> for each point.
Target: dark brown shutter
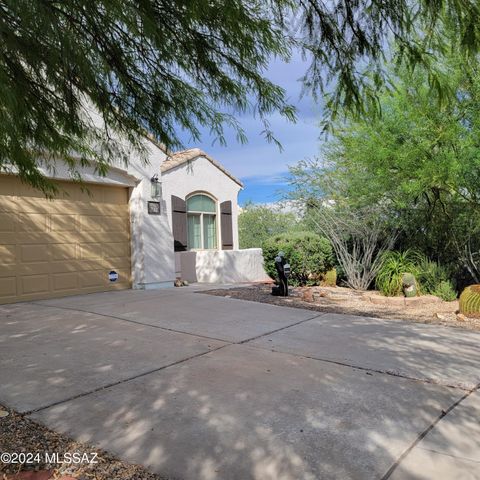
<point x="226" y="225"/>
<point x="179" y="224"/>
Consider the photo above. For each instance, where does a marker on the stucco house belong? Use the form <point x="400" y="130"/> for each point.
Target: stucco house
<point x="140" y="226"/>
<point x="202" y="208"/>
<point x="202" y="201"/>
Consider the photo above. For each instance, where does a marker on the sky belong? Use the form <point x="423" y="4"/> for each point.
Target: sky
<point x="259" y="164"/>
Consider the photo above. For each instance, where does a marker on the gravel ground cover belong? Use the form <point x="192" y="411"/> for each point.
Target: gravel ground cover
<point x="347" y="301"/>
<point x="21" y="435"/>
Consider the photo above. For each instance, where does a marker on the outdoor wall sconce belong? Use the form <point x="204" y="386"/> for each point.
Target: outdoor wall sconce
<point x="156" y="187"/>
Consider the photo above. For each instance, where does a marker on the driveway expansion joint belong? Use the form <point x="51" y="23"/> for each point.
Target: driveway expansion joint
<point x="370" y="369"/>
<point x="120" y="382"/>
<point x="466" y="459"/>
<point x="128" y="320"/>
<point x="142" y="374"/>
<point x="266" y="334"/>
<point x="423" y="434"/>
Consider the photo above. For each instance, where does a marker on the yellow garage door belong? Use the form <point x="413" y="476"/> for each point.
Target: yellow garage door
<point x="77" y="243"/>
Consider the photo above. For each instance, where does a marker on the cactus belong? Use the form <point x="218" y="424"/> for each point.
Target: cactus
<point x="470" y="301"/>
<point x="329" y="278"/>
<point x="409" y="285"/>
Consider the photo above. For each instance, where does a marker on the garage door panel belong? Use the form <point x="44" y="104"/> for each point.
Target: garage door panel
<point x="34" y="284"/>
<point x="117" y="249"/>
<point x="64" y="246"/>
<point x="65" y="281"/>
<point x="106" y="265"/>
<point x="61" y="222"/>
<point x="8" y="254"/>
<point x="8" y="270"/>
<point x="8" y="287"/>
<point x="115" y="223"/>
<point x="7" y="223"/>
<point x="34" y="253"/>
<point x="91" y="250"/>
<point x="39" y="268"/>
<point x="63" y="251"/>
<point x="32" y="222"/>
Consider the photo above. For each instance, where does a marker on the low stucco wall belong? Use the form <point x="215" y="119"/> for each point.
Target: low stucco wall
<point x="221" y="266"/>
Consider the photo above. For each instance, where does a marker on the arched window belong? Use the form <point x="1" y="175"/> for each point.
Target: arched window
<point x="201" y="222"/>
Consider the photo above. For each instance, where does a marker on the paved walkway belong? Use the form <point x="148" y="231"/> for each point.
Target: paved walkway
<point x="201" y="387"/>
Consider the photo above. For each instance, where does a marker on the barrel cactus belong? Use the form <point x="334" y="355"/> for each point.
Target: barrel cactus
<point x="470" y="301"/>
<point x="329" y="279"/>
<point x="409" y="285"/>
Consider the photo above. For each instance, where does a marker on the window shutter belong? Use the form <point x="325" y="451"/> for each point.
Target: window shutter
<point x="179" y="224"/>
<point x="226" y="225"/>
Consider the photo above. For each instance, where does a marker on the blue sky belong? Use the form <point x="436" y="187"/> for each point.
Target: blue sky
<point x="259" y="164"/>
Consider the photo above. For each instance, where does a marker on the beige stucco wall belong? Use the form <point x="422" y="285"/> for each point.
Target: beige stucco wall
<point x="200" y="175"/>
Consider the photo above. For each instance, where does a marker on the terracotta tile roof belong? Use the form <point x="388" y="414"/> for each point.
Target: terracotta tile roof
<point x="184" y="156"/>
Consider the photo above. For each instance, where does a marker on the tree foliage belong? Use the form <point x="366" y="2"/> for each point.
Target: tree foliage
<point x="159" y="66"/>
<point x="257" y="223"/>
<point x="348" y="41"/>
<point x="165" y="66"/>
<point x="420" y="161"/>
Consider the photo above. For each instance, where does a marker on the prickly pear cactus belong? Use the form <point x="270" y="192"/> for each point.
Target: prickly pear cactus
<point x="470" y="301"/>
<point x="409" y="285"/>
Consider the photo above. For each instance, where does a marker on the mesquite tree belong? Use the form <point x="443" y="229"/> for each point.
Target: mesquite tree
<point x="166" y="66"/>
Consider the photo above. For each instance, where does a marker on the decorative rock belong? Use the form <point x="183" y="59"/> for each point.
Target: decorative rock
<point x="185" y="283"/>
<point x="461" y="317"/>
<point x="381" y="300"/>
<point x="307" y="295"/>
<point x="4" y="413"/>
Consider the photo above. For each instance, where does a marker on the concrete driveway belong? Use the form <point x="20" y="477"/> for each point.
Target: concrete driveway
<point x="201" y="387"/>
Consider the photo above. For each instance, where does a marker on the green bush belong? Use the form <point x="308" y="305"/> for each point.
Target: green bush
<point x="445" y="291"/>
<point x="393" y="266"/>
<point x="309" y="255"/>
<point x="430" y="276"/>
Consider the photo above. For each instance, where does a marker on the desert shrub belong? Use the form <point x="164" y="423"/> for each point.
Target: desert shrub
<point x="393" y="265"/>
<point x="310" y="256"/>
<point x="445" y="291"/>
<point x="431" y="275"/>
<point x="435" y="280"/>
<point x="358" y="236"/>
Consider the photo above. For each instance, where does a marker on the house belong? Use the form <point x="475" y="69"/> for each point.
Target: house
<point x="202" y="201"/>
<point x="202" y="208"/>
<point x="140" y="226"/>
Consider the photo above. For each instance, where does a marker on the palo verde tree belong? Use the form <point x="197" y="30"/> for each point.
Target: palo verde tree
<point x="161" y="66"/>
<point x="420" y="161"/>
